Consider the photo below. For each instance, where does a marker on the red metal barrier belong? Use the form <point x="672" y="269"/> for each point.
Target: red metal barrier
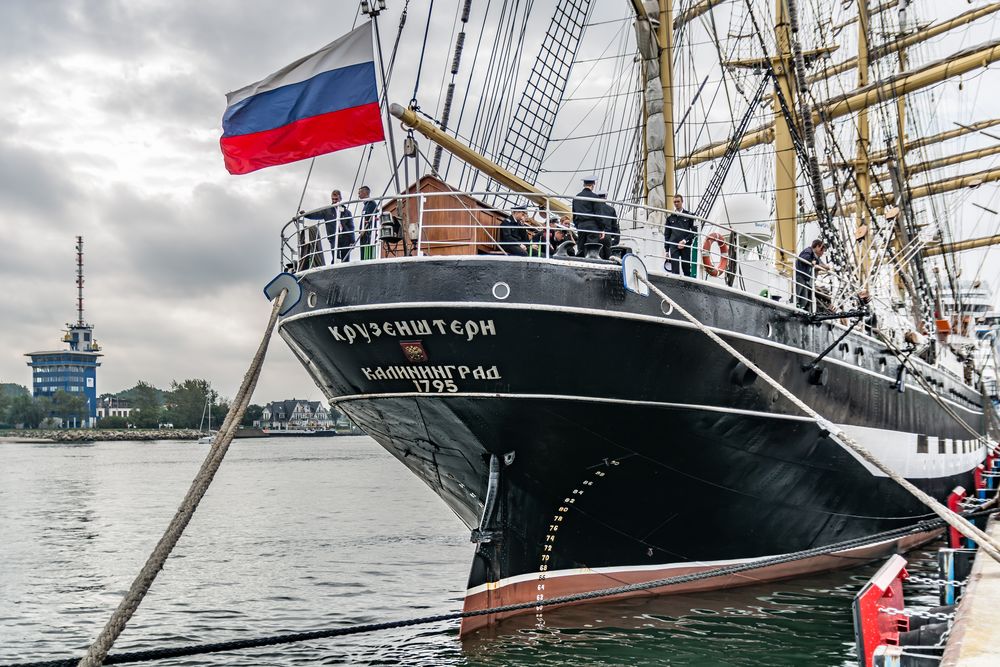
<point x="955" y="505"/>
<point x="874" y="628"/>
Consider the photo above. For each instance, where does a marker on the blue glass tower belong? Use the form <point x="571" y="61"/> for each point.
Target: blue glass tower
<point x="74" y="369"/>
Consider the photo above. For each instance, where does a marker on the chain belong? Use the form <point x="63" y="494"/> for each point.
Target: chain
<point x="917" y="613"/>
<point x="939" y="582"/>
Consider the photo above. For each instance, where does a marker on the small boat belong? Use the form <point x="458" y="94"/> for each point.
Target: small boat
<point x="209" y="433"/>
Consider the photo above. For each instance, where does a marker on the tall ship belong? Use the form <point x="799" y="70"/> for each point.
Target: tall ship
<point x="472" y="318"/>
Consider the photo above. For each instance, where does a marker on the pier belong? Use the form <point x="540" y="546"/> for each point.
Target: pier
<point x="975" y="636"/>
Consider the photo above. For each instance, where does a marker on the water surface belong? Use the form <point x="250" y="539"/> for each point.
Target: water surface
<point x="313" y="533"/>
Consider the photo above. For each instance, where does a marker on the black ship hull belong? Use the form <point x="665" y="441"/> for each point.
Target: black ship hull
<point x="626" y="445"/>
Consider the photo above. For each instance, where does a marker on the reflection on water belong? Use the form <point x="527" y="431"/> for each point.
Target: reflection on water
<point x="314" y="533"/>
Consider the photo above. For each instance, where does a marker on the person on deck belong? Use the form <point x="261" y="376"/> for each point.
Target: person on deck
<point x="559" y="234"/>
<point x="339" y="227"/>
<point x="551" y="235"/>
<point x="586" y="216"/>
<point x="513" y="235"/>
<point x="368" y="221"/>
<point x="609" y="220"/>
<point x="805" y="267"/>
<point x="678" y="238"/>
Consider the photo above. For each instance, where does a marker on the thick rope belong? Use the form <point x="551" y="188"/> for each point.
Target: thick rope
<point x="154" y="563"/>
<point x="290" y="638"/>
<point x="989" y="545"/>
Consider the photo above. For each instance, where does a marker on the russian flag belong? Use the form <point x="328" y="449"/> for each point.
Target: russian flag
<point x="325" y="102"/>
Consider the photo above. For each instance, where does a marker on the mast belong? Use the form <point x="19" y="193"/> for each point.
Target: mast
<point x="959" y="246"/>
<point x="898" y="173"/>
<point x="921" y="167"/>
<point x="910" y="146"/>
<point x="694" y="12"/>
<point x="862" y="173"/>
<point x="879" y="202"/>
<point x="901" y="43"/>
<point x="79" y="282"/>
<point x="657" y="123"/>
<point x="665" y="37"/>
<point x="881" y="91"/>
<point x="785" y="159"/>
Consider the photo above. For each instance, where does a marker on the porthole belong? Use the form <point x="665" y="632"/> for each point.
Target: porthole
<point x="311" y="300"/>
<point x="501" y="291"/>
<point x="770" y="330"/>
<point x="666" y="307"/>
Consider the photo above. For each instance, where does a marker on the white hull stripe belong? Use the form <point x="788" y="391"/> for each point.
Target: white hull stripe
<point x="628" y="316"/>
<point x="916" y="456"/>
<point x="561" y="397"/>
<point x="702" y="564"/>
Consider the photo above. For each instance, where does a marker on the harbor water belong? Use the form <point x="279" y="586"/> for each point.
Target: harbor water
<point x="312" y="533"/>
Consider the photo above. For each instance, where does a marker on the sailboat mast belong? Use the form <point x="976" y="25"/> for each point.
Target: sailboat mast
<point x="862" y="173"/>
<point x="665" y="36"/>
<point x="785" y="160"/>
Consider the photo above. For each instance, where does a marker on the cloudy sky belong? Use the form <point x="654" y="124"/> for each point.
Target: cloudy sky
<point x="110" y="115"/>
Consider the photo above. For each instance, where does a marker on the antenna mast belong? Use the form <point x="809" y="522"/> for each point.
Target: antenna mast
<point x="79" y="281"/>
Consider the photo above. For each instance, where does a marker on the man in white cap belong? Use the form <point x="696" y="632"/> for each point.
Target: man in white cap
<point x="586" y="218"/>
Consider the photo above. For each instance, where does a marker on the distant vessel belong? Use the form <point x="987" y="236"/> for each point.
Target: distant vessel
<point x="588" y="437"/>
<point x="209" y="433"/>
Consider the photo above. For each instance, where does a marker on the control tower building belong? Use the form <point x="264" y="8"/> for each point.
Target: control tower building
<point x="74" y="368"/>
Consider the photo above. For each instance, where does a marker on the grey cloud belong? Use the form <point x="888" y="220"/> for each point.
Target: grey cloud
<point x="35" y="182"/>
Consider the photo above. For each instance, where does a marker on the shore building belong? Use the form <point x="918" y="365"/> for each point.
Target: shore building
<point x="74" y="368"/>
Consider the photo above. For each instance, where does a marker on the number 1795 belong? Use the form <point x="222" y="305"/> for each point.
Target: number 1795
<point x="435" y="386"/>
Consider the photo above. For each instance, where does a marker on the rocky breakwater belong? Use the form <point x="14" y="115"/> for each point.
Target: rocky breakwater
<point x="95" y="434"/>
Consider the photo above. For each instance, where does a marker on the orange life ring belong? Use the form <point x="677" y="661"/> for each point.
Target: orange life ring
<point x="706" y="254"/>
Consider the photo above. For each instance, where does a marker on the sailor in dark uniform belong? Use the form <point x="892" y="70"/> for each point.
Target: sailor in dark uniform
<point x="805" y="266"/>
<point x="609" y="223"/>
<point x="339" y="227"/>
<point x="587" y="220"/>
<point x="513" y="235"/>
<point x="678" y="238"/>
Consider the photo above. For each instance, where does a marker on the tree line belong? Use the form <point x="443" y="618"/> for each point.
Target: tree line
<point x="185" y="405"/>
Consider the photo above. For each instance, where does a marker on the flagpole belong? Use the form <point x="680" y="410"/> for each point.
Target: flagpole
<point x="373" y="8"/>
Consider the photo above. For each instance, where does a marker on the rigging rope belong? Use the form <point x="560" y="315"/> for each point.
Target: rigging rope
<point x="990" y="545"/>
<point x="98" y="651"/>
<point x="423" y="50"/>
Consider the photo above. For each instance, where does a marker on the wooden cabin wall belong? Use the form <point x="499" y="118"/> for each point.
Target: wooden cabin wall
<point x="453" y="224"/>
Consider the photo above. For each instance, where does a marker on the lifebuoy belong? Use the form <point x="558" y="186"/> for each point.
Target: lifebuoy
<point x="706" y="254"/>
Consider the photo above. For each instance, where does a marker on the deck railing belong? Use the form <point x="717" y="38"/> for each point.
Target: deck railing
<point x="434" y="224"/>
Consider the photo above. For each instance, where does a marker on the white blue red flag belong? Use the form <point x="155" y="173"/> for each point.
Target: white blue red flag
<point x="325" y="102"/>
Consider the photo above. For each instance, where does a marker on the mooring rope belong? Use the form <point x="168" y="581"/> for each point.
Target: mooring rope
<point x="98" y="651"/>
<point x="989" y="545"/>
<point x="291" y="638"/>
